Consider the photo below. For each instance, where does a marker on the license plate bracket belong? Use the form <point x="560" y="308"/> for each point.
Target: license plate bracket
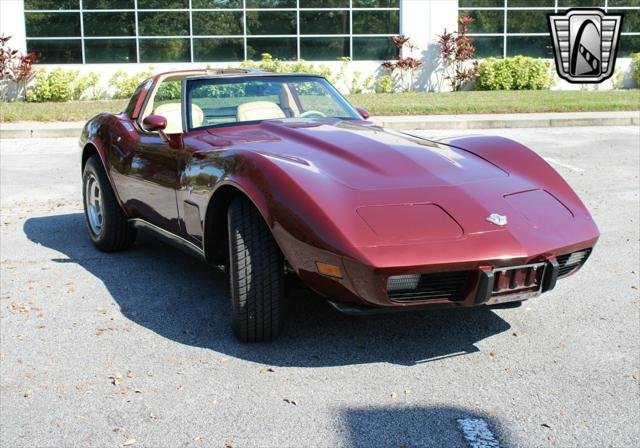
<point x="517" y="283"/>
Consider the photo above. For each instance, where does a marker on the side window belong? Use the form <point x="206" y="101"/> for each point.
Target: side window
<point x="166" y="101"/>
<point x="313" y="97"/>
<point x="168" y="92"/>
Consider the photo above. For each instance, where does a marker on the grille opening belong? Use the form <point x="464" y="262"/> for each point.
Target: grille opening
<point x="572" y="261"/>
<point x="425" y="287"/>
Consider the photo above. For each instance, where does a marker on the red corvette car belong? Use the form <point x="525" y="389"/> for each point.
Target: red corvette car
<point x="266" y="174"/>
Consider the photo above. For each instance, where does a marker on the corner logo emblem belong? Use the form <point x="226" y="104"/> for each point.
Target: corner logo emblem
<point x="585" y="43"/>
<point x="497" y="219"/>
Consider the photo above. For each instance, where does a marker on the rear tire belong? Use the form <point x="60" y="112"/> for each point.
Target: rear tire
<point x="106" y="222"/>
<point x="256" y="268"/>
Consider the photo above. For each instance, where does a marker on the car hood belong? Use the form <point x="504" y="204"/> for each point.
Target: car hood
<point x="364" y="157"/>
<point x="377" y="187"/>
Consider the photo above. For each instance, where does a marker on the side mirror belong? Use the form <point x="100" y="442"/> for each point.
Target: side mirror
<point x="154" y="123"/>
<point x="363" y="112"/>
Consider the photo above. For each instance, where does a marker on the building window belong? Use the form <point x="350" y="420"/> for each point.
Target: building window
<point x="146" y="31"/>
<point x="519" y="27"/>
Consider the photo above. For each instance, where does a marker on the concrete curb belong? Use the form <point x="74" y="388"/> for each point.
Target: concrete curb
<point x="400" y="123"/>
<point x="40" y="133"/>
<point x="34" y="129"/>
<point x="506" y="121"/>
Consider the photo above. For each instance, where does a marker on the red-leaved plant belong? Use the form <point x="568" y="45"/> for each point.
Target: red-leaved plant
<point x="407" y="65"/>
<point x="16" y="67"/>
<point x="456" y="51"/>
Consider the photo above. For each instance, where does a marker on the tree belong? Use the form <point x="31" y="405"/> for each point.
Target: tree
<point x="456" y="53"/>
<point x="15" y="68"/>
<point x="407" y="65"/>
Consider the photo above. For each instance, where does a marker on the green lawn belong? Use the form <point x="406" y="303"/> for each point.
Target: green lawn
<point x="71" y="111"/>
<point x="483" y="102"/>
<point x="475" y="102"/>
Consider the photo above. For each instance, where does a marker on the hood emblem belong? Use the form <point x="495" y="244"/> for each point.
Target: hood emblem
<point x="497" y="219"/>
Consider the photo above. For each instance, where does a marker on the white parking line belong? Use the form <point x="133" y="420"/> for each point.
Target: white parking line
<point x="564" y="165"/>
<point x="477" y="433"/>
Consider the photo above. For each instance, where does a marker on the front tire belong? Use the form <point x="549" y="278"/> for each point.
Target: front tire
<point x="106" y="222"/>
<point x="256" y="269"/>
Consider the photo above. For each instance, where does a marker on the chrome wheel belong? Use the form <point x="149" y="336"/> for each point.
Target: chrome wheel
<point x="93" y="204"/>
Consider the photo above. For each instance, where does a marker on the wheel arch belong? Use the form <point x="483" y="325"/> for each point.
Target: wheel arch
<point x="92" y="140"/>
<point x="216" y="242"/>
<point x="92" y="147"/>
<point x="88" y="151"/>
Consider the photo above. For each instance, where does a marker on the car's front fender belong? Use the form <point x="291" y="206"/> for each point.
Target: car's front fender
<point x="517" y="159"/>
<point x="279" y="192"/>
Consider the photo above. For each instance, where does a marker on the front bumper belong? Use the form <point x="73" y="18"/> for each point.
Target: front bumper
<point x="365" y="290"/>
<point x="487" y="292"/>
<point x="364" y="283"/>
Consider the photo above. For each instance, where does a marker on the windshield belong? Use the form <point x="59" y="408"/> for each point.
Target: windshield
<point x="224" y="101"/>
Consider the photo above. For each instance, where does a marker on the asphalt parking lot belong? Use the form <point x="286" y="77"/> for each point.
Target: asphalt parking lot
<point x="136" y="349"/>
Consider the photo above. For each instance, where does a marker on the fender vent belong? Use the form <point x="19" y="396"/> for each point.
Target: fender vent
<point x="424" y="287"/>
<point x="568" y="263"/>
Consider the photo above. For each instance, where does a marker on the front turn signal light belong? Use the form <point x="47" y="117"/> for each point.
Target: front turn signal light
<point x="329" y="270"/>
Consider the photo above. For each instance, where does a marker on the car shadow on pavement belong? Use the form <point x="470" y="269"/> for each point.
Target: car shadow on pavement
<point x="408" y="426"/>
<point x="185" y="300"/>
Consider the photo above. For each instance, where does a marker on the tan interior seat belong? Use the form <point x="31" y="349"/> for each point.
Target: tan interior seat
<point x="173" y="113"/>
<point x="259" y="110"/>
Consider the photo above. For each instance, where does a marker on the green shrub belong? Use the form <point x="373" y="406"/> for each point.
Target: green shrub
<point x="124" y="84"/>
<point x="618" y="79"/>
<point x="170" y="90"/>
<point x="269" y="64"/>
<point x="88" y="86"/>
<point x="358" y="86"/>
<point x="65" y="85"/>
<point x="516" y="73"/>
<point x="635" y="68"/>
<point x="57" y="86"/>
<point x="384" y="84"/>
<point x="353" y="83"/>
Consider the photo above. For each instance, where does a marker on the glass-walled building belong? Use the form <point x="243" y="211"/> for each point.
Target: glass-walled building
<point x="503" y="28"/>
<point x="136" y="34"/>
<point x="149" y="31"/>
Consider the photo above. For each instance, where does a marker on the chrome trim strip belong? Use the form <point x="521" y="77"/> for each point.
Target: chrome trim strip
<point x="171" y="238"/>
<point x="522" y="266"/>
<point x="517" y="297"/>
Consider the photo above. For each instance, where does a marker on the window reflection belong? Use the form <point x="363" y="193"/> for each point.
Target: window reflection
<point x="218" y="30"/>
<point x="526" y="29"/>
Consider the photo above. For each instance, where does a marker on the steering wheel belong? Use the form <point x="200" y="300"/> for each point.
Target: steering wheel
<point x="312" y="113"/>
